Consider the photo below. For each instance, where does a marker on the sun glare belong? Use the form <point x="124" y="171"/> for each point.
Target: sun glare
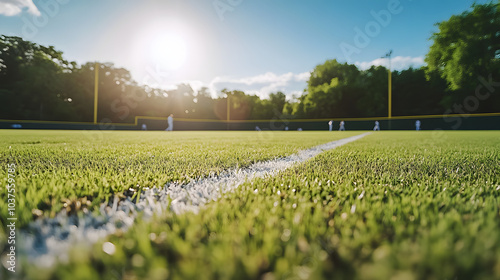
<point x="169" y="51"/>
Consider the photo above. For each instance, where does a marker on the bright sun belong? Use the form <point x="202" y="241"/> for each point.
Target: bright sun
<point x="169" y="51"/>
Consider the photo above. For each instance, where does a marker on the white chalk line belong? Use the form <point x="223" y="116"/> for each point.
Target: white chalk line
<point x="47" y="241"/>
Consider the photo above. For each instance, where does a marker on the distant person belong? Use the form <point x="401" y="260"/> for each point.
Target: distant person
<point x="16" y="125"/>
<point x="286" y="128"/>
<point x="377" y="126"/>
<point x="170" y="121"/>
<point x="257" y="128"/>
<point x="299" y="129"/>
<point x="342" y="126"/>
<point x="417" y="125"/>
<point x="330" y="125"/>
<point x="144" y="127"/>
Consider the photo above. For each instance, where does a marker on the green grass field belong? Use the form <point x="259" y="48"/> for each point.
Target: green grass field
<point x="57" y="167"/>
<point x="392" y="205"/>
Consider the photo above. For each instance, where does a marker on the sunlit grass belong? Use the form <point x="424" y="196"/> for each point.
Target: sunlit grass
<point x="393" y="205"/>
<point x="54" y="167"/>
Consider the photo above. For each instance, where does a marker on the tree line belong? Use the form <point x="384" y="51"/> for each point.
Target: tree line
<point x="38" y="83"/>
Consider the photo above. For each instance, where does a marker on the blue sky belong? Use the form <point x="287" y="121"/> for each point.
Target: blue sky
<point x="259" y="46"/>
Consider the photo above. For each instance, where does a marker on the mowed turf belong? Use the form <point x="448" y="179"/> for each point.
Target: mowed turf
<point x="54" y="168"/>
<point x="393" y="205"/>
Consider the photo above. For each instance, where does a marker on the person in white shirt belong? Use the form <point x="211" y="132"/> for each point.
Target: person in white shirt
<point x="377" y="126"/>
<point x="417" y="125"/>
<point x="342" y="126"/>
<point x="330" y="125"/>
<point x="170" y="121"/>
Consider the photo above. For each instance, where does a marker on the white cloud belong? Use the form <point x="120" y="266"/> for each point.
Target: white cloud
<point x="397" y="63"/>
<point x="303" y="76"/>
<point x="14" y="7"/>
<point x="262" y="85"/>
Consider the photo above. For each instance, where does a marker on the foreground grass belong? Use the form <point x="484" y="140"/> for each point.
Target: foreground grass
<point x="78" y="169"/>
<point x="393" y="205"/>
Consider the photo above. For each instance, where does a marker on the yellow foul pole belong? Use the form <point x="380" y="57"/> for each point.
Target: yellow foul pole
<point x="390" y="92"/>
<point x="96" y="90"/>
<point x="228" y="117"/>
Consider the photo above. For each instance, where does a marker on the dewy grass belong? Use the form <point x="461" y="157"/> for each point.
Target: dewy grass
<point x="75" y="169"/>
<point x="393" y="205"/>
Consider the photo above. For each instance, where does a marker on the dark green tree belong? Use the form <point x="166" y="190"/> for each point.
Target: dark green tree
<point x="373" y="99"/>
<point x="416" y="94"/>
<point x="31" y="78"/>
<point x="333" y="91"/>
<point x="278" y="101"/>
<point x="467" y="46"/>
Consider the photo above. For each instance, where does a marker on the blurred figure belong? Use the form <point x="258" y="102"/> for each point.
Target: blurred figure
<point x="330" y="125"/>
<point x="417" y="125"/>
<point x="170" y="121"/>
<point x="257" y="128"/>
<point x="342" y="126"/>
<point x="286" y="128"/>
<point x="299" y="129"/>
<point x="377" y="126"/>
<point x="144" y="127"/>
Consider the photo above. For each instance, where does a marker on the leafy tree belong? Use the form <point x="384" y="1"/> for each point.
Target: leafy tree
<point x="341" y="90"/>
<point x="36" y="82"/>
<point x="324" y="73"/>
<point x="278" y="101"/>
<point x="416" y="94"/>
<point x="30" y="79"/>
<point x="240" y="104"/>
<point x="373" y="100"/>
<point x="332" y="90"/>
<point x="204" y="105"/>
<point x="467" y="46"/>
